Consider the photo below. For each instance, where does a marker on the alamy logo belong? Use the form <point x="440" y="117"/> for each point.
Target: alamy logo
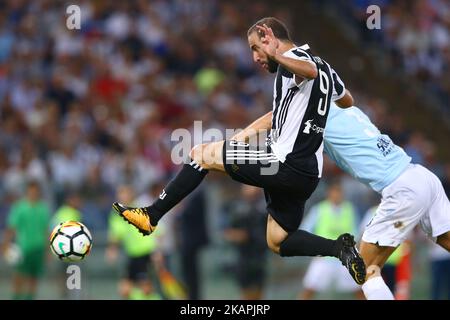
<point x="309" y="126"/>
<point x="73" y="21"/>
<point x="74" y="279"/>
<point x="163" y="194"/>
<point x="374" y="19"/>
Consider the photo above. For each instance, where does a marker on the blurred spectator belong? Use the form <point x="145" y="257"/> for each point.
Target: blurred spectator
<point x="330" y="218"/>
<point x="446" y="180"/>
<point x="416" y="35"/>
<point x="440" y="258"/>
<point x="246" y="230"/>
<point x="169" y="285"/>
<point x="69" y="210"/>
<point x="27" y="226"/>
<point x="166" y="235"/>
<point x="440" y="273"/>
<point x="139" y="250"/>
<point x="192" y="238"/>
<point x="96" y="196"/>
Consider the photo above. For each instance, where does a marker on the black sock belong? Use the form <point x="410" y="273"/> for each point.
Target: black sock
<point x="303" y="243"/>
<point x="190" y="176"/>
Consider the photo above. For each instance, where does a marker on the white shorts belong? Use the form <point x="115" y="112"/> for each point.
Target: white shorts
<point x="417" y="196"/>
<point x="323" y="272"/>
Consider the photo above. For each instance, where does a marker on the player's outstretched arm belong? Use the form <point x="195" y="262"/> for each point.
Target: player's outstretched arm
<point x="346" y="101"/>
<point x="262" y="123"/>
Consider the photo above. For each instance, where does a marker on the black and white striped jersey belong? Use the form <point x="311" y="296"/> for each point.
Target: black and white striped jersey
<point x="300" y="112"/>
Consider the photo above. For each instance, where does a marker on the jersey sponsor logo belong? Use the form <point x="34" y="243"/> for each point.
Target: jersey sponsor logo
<point x="385" y="145"/>
<point x="309" y="126"/>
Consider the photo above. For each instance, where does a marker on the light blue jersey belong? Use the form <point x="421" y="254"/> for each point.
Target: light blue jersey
<point x="356" y="145"/>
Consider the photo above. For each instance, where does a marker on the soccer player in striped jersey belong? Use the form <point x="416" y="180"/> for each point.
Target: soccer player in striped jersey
<point x="410" y="193"/>
<point x="288" y="167"/>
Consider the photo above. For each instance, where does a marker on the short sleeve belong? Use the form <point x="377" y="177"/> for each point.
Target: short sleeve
<point x="299" y="54"/>
<point x="338" y="86"/>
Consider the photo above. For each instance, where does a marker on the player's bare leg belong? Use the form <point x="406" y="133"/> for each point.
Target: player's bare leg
<point x="375" y="257"/>
<point x="302" y="243"/>
<point x="275" y="234"/>
<point x="444" y="241"/>
<point x="204" y="157"/>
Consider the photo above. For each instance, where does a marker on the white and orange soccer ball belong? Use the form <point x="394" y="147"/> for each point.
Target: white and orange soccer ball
<point x="71" y="241"/>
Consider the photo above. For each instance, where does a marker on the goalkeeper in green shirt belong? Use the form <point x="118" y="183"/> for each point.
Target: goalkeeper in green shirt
<point x="27" y="226"/>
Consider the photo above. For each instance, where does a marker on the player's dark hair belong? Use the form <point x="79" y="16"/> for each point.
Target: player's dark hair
<point x="279" y="29"/>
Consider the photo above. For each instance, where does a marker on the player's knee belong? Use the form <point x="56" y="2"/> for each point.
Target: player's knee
<point x="208" y="155"/>
<point x="273" y="246"/>
<point x="196" y="153"/>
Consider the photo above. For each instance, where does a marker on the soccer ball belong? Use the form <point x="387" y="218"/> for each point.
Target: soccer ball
<point x="71" y="241"/>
